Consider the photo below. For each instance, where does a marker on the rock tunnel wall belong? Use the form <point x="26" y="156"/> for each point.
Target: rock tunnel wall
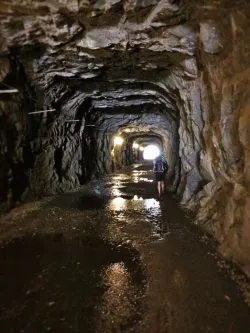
<point x="224" y="202"/>
<point x="40" y="154"/>
<point x="176" y="69"/>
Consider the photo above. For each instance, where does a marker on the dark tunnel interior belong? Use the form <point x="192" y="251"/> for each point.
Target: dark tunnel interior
<point x="86" y="86"/>
<point x="75" y="76"/>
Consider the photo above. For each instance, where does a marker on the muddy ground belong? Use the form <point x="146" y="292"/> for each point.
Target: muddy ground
<point x="112" y="257"/>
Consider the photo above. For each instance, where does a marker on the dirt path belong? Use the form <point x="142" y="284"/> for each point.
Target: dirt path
<point x="112" y="258"/>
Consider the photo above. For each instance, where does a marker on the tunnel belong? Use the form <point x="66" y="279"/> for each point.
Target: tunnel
<point x="86" y="87"/>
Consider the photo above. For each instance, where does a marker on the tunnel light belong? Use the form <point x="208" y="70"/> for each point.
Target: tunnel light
<point x="151" y="152"/>
<point x="135" y="145"/>
<point x="141" y="148"/>
<point x="118" y="140"/>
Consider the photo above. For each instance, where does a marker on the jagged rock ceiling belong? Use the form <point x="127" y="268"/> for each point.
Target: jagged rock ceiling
<point x="118" y="65"/>
<point x="113" y="42"/>
<point x="174" y="69"/>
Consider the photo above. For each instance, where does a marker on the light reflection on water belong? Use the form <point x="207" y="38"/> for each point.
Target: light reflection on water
<point x="124" y="204"/>
<point x="115" y="192"/>
<point x="151" y="205"/>
<point x="135" y="179"/>
<point x="150" y="208"/>
<point x="117" y="303"/>
<point x="153" y="209"/>
<point x="118" y="203"/>
<point x="141" y="176"/>
<point x="146" y="180"/>
<point x="119" y="178"/>
<point x="136" y="198"/>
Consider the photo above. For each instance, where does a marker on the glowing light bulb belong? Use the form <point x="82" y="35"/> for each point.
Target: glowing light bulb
<point x="135" y="145"/>
<point x="118" y="140"/>
<point x="141" y="148"/>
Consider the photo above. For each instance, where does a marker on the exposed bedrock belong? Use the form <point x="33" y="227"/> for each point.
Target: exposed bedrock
<point x="173" y="72"/>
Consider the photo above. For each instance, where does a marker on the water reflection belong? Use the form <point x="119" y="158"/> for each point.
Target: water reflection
<point x="152" y="203"/>
<point x="146" y="180"/>
<point x="118" y="204"/>
<point x="115" y="192"/>
<point x="136" y="203"/>
<point x="118" y="300"/>
<point x="135" y="179"/>
<point x="136" y="198"/>
<point x="137" y="176"/>
<point x="121" y="177"/>
<point x="124" y="203"/>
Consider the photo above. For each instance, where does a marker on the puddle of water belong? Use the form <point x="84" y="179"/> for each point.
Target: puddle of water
<point x="136" y="208"/>
<point x="120" y="177"/>
<point x="137" y="177"/>
<point x="61" y="284"/>
<point x="130" y="202"/>
<point x="146" y="180"/>
<point x="116" y="192"/>
<point x="136" y="198"/>
<point x="118" y="204"/>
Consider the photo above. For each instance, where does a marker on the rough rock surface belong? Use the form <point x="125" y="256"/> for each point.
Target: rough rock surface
<point x="175" y="69"/>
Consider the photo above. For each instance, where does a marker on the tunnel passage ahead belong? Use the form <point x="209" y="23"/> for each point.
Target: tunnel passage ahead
<point x="150" y="152"/>
<point x="112" y="258"/>
<point x="76" y="73"/>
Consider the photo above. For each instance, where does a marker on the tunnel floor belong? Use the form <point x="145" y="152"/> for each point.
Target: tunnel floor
<point x="111" y="258"/>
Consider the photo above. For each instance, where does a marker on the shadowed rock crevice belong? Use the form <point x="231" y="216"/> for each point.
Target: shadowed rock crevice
<point x="176" y="70"/>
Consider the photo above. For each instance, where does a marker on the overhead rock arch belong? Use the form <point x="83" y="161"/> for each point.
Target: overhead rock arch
<point x="175" y="69"/>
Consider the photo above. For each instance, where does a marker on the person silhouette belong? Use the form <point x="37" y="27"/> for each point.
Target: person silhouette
<point x="160" y="169"/>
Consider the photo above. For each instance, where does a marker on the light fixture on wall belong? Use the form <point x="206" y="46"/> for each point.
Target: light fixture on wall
<point x="135" y="145"/>
<point x="118" y="140"/>
<point x="141" y="148"/>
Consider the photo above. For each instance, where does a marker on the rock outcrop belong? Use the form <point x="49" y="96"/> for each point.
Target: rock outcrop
<point x="177" y="70"/>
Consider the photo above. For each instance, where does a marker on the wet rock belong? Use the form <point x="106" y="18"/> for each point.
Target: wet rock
<point x="174" y="71"/>
<point x="210" y="37"/>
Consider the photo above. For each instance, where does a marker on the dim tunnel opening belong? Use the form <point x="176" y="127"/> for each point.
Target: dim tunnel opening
<point x="86" y="87"/>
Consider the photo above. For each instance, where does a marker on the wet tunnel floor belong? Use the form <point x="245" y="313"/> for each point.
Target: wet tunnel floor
<point x="111" y="258"/>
